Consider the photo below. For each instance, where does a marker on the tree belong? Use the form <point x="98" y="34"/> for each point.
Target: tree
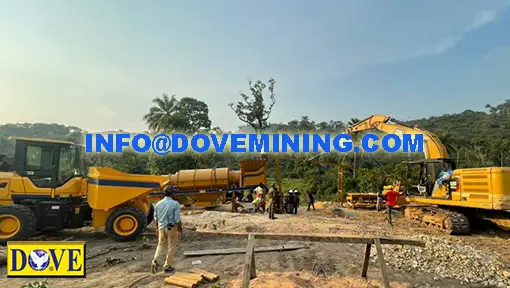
<point x="164" y="115"/>
<point x="502" y="109"/>
<point x="194" y="115"/>
<point x="253" y="112"/>
<point x="217" y="130"/>
<point x="336" y="126"/>
<point x="187" y="115"/>
<point x="353" y="121"/>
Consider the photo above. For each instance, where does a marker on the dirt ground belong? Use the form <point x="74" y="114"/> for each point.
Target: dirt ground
<point x="340" y="263"/>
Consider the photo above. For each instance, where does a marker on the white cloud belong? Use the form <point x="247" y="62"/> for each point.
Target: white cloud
<point x="444" y="44"/>
<point x="483" y="18"/>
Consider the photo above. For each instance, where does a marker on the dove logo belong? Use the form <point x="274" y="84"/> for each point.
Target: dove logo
<point x="46" y="259"/>
<point x="38" y="259"/>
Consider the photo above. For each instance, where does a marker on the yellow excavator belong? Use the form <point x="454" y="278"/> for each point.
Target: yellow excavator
<point x="466" y="195"/>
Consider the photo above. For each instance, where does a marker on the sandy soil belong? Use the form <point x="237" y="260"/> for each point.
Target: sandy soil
<point x="341" y="263"/>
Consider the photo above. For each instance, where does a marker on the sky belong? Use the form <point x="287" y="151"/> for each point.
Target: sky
<point x="98" y="64"/>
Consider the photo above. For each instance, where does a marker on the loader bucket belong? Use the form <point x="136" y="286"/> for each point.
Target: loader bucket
<point x="109" y="188"/>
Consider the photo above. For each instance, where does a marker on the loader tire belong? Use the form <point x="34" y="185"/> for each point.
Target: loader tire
<point x="17" y="222"/>
<point x="126" y="223"/>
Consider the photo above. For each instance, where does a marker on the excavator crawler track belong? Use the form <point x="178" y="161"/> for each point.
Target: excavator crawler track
<point x="451" y="222"/>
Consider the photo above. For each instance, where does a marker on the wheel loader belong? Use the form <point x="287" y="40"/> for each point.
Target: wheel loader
<point x="47" y="190"/>
<point x="467" y="195"/>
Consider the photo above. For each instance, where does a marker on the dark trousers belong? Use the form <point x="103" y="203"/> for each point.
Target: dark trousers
<point x="388" y="212"/>
<point x="295" y="208"/>
<point x="310" y="204"/>
<point x="271" y="210"/>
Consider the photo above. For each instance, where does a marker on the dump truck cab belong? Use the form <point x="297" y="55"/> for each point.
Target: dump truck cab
<point x="45" y="189"/>
<point x="50" y="169"/>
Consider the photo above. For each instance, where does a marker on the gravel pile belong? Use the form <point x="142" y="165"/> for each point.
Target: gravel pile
<point x="446" y="259"/>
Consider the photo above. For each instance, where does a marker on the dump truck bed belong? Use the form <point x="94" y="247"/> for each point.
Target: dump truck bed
<point x="108" y="188"/>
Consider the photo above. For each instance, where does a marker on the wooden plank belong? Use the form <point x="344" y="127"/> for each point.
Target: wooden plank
<point x="382" y="263"/>
<point x="253" y="270"/>
<point x="366" y="261"/>
<point x="332" y="238"/>
<point x="206" y="274"/>
<point x="248" y="273"/>
<point x="243" y="250"/>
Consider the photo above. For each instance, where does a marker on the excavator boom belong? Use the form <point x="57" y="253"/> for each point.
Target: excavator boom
<point x="433" y="148"/>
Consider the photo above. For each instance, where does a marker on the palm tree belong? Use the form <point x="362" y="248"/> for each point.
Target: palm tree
<point x="353" y="121"/>
<point x="164" y="115"/>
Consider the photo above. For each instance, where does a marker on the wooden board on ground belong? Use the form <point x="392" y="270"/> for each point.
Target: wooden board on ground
<point x="316" y="237"/>
<point x="206" y="274"/>
<point x="243" y="250"/>
<point x="184" y="280"/>
<point x="192" y="279"/>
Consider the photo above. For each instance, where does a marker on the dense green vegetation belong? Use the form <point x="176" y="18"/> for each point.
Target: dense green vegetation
<point x="473" y="138"/>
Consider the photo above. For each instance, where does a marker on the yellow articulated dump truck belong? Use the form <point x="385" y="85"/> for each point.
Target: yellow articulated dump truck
<point x="467" y="193"/>
<point x="47" y="191"/>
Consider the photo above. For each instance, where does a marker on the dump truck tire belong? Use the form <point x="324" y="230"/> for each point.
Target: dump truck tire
<point x="126" y="223"/>
<point x="150" y="216"/>
<point x="17" y="222"/>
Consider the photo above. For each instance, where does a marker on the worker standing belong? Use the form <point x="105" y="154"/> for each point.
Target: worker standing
<point x="311" y="200"/>
<point x="289" y="202"/>
<point x="167" y="215"/>
<point x="380" y="200"/>
<point x="296" y="201"/>
<point x="264" y="188"/>
<point x="279" y="200"/>
<point x="271" y="200"/>
<point x="391" y="202"/>
<point x="259" y="202"/>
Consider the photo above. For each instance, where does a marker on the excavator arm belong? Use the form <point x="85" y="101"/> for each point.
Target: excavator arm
<point x="436" y="155"/>
<point x="433" y="148"/>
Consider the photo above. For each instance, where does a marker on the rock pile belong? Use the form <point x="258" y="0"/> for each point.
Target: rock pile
<point x="446" y="259"/>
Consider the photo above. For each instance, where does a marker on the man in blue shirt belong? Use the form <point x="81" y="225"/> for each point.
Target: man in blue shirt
<point x="167" y="215"/>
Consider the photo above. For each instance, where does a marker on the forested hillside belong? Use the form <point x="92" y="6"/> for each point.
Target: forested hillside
<point x="36" y="130"/>
<point x="474" y="138"/>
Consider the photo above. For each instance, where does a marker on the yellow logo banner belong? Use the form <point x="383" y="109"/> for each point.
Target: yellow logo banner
<point x="46" y="259"/>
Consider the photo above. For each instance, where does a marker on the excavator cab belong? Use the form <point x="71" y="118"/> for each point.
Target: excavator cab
<point x="429" y="172"/>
